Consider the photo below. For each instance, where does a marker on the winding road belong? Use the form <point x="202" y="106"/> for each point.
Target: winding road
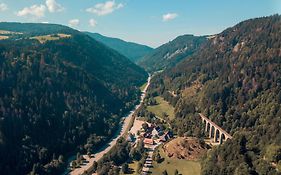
<point x="125" y="127"/>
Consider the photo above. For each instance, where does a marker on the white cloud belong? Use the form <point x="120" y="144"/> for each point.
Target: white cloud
<point x="3" y="7"/>
<point x="34" y="10"/>
<point x="53" y="6"/>
<point x="92" y="23"/>
<point x="73" y="22"/>
<point x="38" y="11"/>
<point x="169" y="16"/>
<point x="105" y="8"/>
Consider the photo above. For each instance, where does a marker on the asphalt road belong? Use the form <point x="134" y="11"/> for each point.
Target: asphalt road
<point x="125" y="126"/>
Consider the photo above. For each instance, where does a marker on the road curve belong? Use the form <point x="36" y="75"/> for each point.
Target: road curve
<point x="125" y="126"/>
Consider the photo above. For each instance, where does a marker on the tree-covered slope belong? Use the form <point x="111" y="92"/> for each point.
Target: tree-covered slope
<point x="59" y="96"/>
<point x="169" y="54"/>
<point x="131" y="50"/>
<point x="35" y="28"/>
<point x="235" y="80"/>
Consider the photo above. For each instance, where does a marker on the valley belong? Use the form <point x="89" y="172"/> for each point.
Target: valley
<point x="121" y="132"/>
<point x="177" y="90"/>
<point x="212" y="89"/>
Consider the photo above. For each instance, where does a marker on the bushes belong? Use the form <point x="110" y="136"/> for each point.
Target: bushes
<point x="118" y="155"/>
<point x="273" y="153"/>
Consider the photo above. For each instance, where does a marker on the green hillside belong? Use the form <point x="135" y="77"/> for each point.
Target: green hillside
<point x="131" y="50"/>
<point x="59" y="97"/>
<point x="235" y="80"/>
<point x="169" y="54"/>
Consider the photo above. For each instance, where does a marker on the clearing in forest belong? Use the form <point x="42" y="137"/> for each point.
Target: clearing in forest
<point x="162" y="107"/>
<point x="44" y="38"/>
<point x="170" y="164"/>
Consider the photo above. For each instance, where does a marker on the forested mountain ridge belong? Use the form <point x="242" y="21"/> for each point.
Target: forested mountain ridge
<point x="131" y="50"/>
<point x="80" y="50"/>
<point x="58" y="95"/>
<point x="235" y="80"/>
<point x="114" y="70"/>
<point x="169" y="54"/>
<point x="32" y="29"/>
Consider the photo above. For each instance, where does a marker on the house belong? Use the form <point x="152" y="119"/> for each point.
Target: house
<point x="154" y="132"/>
<point x="150" y="128"/>
<point x="167" y="136"/>
<point x="157" y="131"/>
<point x="157" y="128"/>
<point x="148" y="141"/>
<point x="146" y="135"/>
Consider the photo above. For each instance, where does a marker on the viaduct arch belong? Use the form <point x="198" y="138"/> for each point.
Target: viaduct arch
<point x="215" y="132"/>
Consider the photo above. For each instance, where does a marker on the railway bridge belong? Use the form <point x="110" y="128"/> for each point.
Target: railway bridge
<point x="215" y="132"/>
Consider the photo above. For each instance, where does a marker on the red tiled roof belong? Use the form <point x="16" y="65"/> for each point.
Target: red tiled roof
<point x="148" y="141"/>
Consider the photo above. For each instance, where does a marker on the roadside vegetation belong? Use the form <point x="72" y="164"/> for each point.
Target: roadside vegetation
<point x="133" y="166"/>
<point x="143" y="86"/>
<point x="123" y="155"/>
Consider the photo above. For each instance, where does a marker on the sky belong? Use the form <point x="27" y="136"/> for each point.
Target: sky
<point x="149" y="22"/>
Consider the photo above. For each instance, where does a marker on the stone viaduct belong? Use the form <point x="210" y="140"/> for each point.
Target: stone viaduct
<point x="215" y="132"/>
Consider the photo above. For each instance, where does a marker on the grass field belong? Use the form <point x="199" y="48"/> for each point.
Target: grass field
<point x="162" y="106"/>
<point x="6" y="32"/>
<point x="44" y="38"/>
<point x="3" y="37"/>
<point x="184" y="167"/>
<point x="143" y="86"/>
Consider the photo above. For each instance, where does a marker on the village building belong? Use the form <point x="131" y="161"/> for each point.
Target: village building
<point x="167" y="136"/>
<point x="148" y="141"/>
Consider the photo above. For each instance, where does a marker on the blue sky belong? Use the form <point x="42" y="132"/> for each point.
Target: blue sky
<point x="150" y="22"/>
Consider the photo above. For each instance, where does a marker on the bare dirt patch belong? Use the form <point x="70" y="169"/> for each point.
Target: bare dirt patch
<point x="3" y="37"/>
<point x="137" y="126"/>
<point x="185" y="148"/>
<point x="191" y="91"/>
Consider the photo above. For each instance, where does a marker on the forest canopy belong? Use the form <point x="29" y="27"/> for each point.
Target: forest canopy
<point x="59" y="97"/>
<point x="234" y="80"/>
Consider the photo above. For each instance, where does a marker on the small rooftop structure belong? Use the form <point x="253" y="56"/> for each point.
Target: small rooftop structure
<point x="148" y="141"/>
<point x="168" y="135"/>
